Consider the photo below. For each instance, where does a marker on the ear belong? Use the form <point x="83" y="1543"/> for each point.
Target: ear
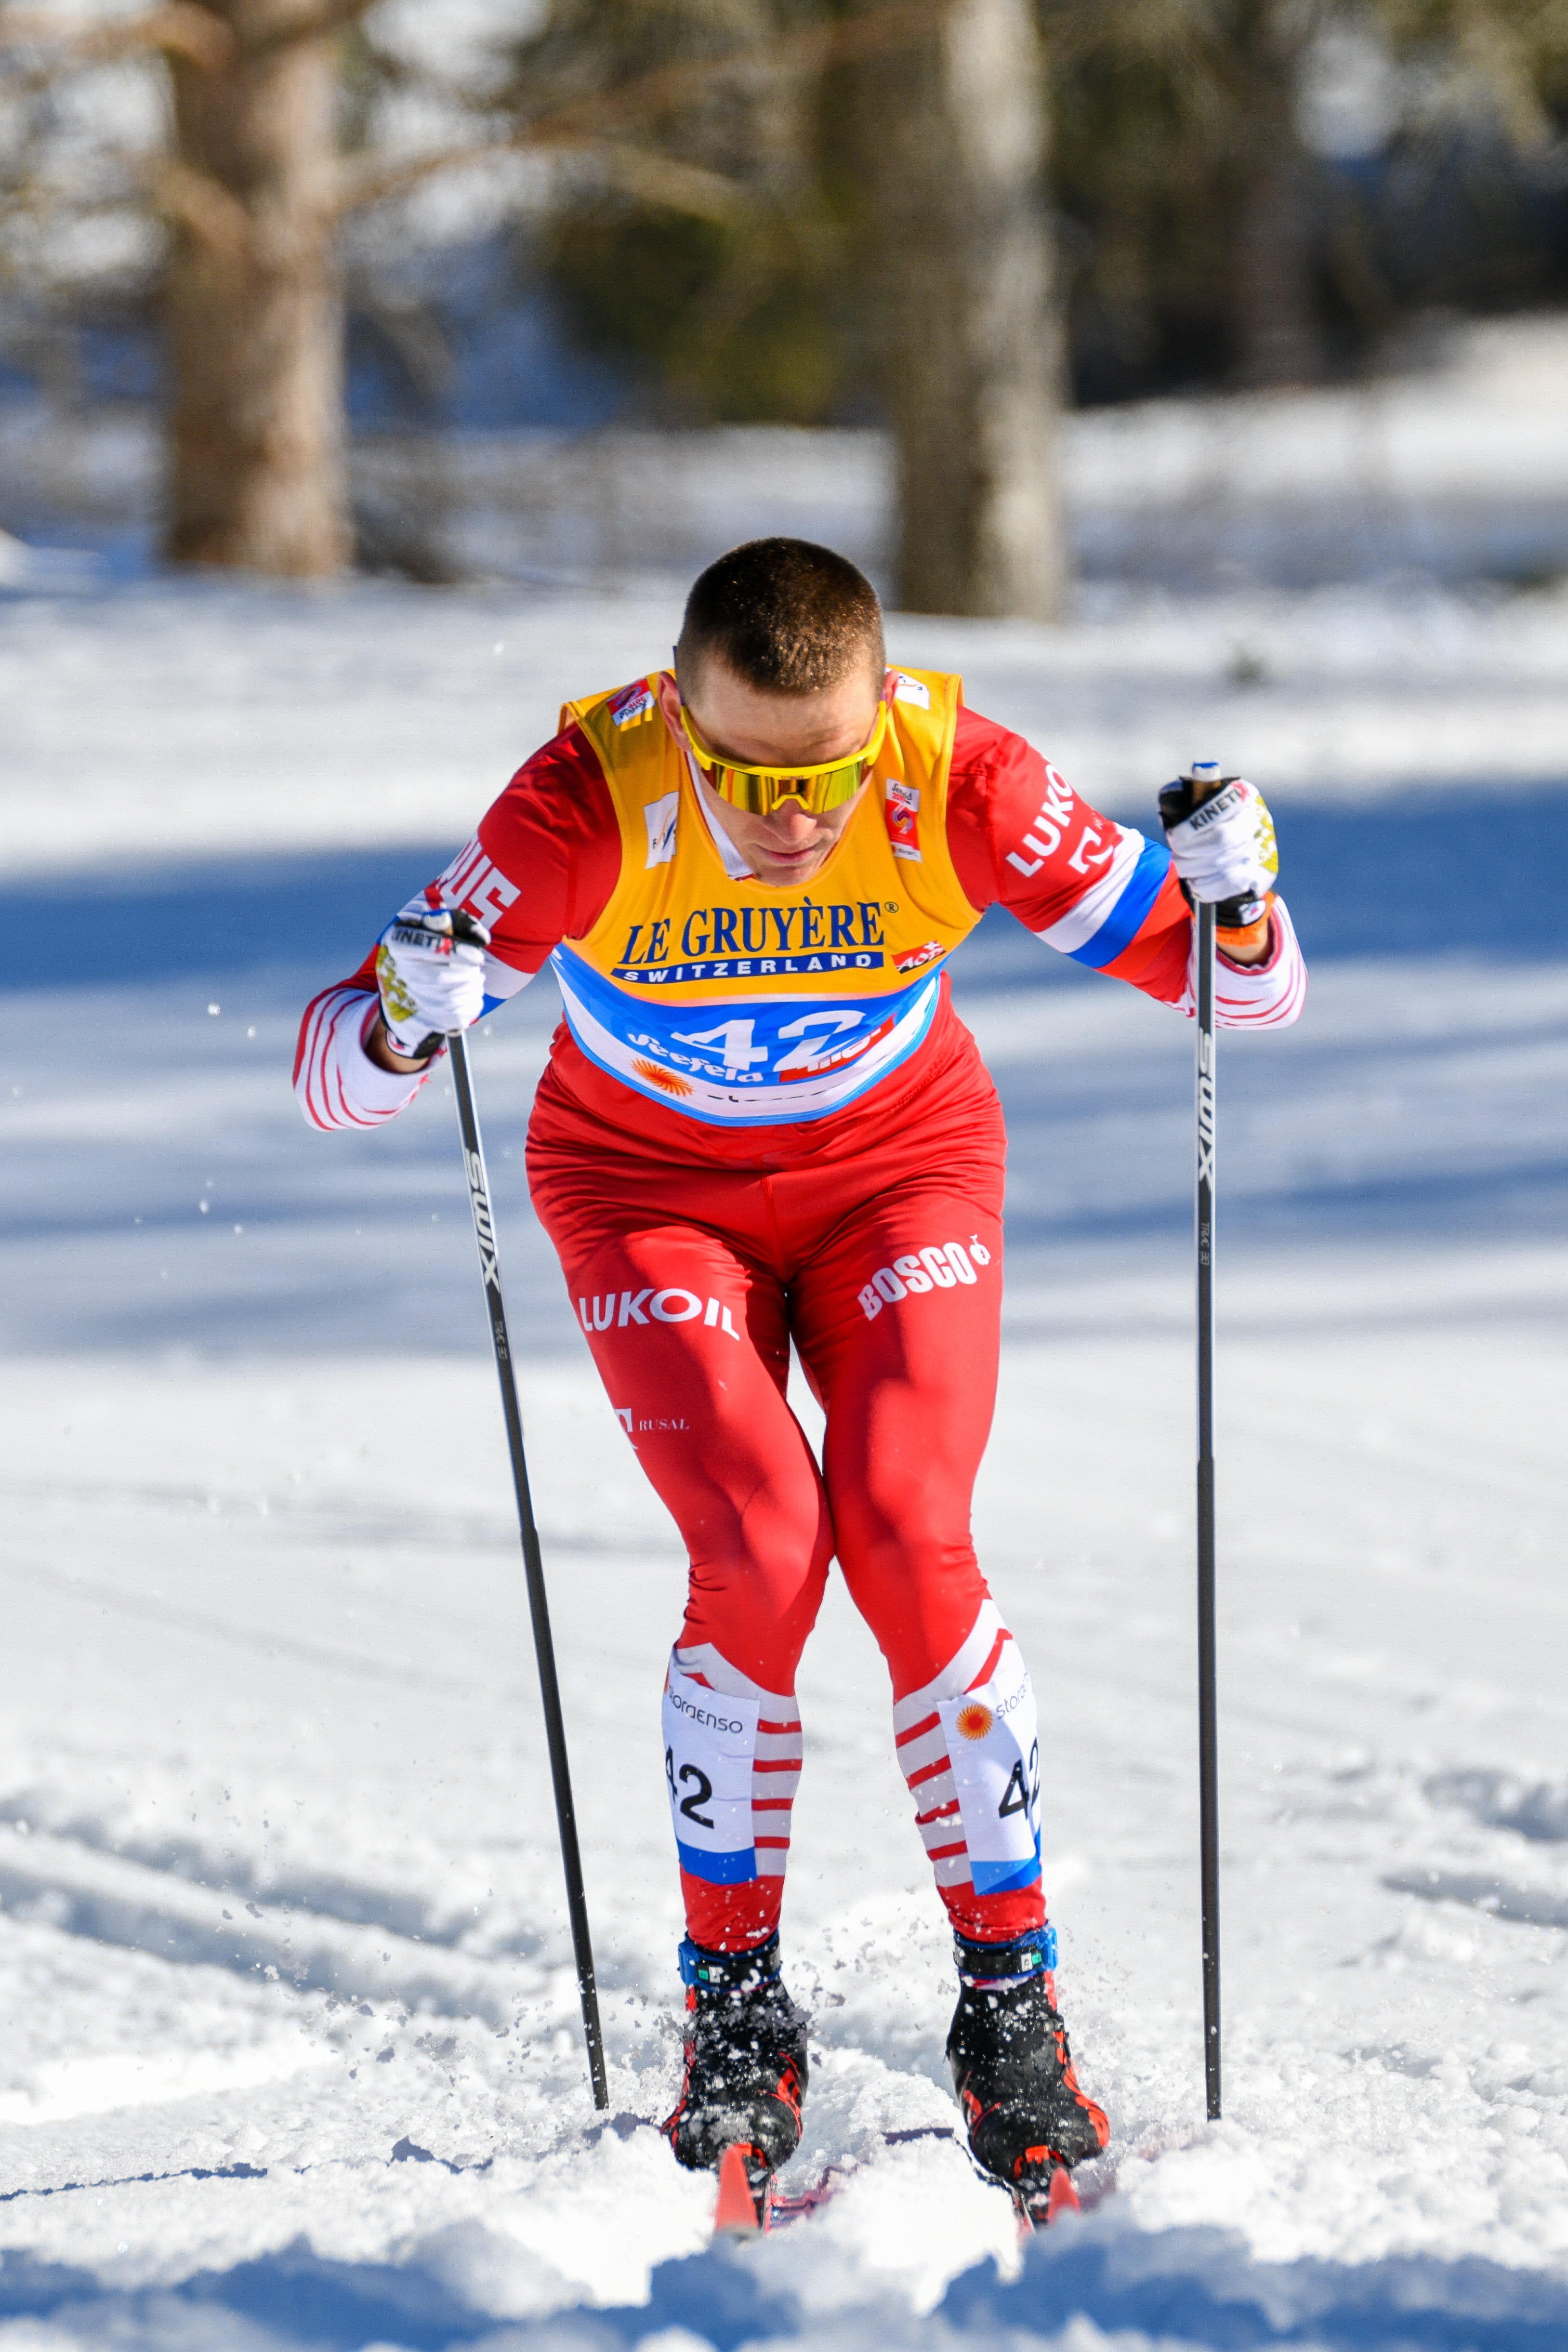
<point x="669" y="695"/>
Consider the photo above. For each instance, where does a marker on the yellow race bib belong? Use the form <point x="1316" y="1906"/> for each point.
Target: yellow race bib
<point x="740" y="1003"/>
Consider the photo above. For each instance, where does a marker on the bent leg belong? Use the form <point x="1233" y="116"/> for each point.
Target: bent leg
<point x="899" y="1321"/>
<point x="691" y="1340"/>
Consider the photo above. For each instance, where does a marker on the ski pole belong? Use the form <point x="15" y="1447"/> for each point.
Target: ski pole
<point x="463" y="927"/>
<point x="1176" y="802"/>
<point x="1208" y="1736"/>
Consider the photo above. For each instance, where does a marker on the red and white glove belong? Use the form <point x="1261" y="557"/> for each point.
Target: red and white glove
<point x="430" y="972"/>
<point x="1224" y="849"/>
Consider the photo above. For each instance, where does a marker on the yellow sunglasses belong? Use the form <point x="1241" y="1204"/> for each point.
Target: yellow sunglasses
<point x="759" y="791"/>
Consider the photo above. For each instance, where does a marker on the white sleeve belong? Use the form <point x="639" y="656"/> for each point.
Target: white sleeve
<point x="337" y="1083"/>
<point x="1267" y="995"/>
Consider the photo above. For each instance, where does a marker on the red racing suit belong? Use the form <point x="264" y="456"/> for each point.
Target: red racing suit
<point x="869" y="1232"/>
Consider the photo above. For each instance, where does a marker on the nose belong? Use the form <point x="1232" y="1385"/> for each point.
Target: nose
<point x="791" y="825"/>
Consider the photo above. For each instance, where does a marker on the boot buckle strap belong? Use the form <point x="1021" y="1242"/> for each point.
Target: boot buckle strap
<point x="1028" y="1955"/>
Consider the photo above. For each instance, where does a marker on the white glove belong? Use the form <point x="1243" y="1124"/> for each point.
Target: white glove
<point x="1224" y="851"/>
<point x="430" y="971"/>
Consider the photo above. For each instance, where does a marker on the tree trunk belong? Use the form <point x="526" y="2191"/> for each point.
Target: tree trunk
<point x="1272" y="300"/>
<point x="1273" y="306"/>
<point x="255" y="303"/>
<point x="954" y="146"/>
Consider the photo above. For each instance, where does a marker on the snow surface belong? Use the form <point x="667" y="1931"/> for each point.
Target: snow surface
<point x="192" y="718"/>
<point x="291" y="2055"/>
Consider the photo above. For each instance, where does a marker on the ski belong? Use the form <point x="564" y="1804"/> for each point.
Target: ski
<point x="1040" y="2203"/>
<point x="745" y="2203"/>
<point x="751" y="2204"/>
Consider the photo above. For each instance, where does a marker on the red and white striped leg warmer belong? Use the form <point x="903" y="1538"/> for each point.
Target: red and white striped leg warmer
<point x="969" y="1743"/>
<point x="732" y="1762"/>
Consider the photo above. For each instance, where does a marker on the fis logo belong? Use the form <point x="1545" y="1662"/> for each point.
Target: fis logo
<point x="941" y="1266"/>
<point x="632" y="704"/>
<point x="660" y="817"/>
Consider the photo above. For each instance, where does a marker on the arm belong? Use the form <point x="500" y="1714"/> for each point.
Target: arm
<point x="539" y="870"/>
<point x="1096" y="890"/>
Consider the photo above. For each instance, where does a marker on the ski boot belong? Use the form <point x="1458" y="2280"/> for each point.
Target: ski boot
<point x="745" y="2069"/>
<point x="1028" y="2121"/>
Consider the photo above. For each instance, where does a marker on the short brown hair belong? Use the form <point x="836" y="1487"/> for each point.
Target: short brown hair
<point x="785" y="615"/>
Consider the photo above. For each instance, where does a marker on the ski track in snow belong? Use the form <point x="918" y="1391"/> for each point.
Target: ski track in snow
<point x="291" y="2054"/>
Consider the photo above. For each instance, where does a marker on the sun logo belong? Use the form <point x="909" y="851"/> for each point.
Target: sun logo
<point x="658" y="1078"/>
<point x="974" y="1720"/>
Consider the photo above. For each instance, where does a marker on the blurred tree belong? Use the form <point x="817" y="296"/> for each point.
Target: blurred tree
<point x="1508" y="57"/>
<point x="254" y="294"/>
<point x="1268" y="180"/>
<point x="1217" y="239"/>
<point x="1179" y="155"/>
<point x="254" y="193"/>
<point x="1482" y="147"/>
<point x="726" y="312"/>
<point x="796" y="209"/>
<point x="246" y="193"/>
<point x="953" y="141"/>
<point x="891" y="255"/>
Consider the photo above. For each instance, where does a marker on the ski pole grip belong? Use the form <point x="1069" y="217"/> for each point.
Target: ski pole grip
<point x="1201" y="781"/>
<point x="1177" y="801"/>
<point x="443" y="923"/>
<point x="454" y="923"/>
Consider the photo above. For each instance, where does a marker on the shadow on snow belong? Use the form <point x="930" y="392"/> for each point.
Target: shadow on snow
<point x="1410" y="875"/>
<point x="1181" y="2287"/>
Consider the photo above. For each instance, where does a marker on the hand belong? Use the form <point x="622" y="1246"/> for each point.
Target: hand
<point x="430" y="972"/>
<point x="1223" y="847"/>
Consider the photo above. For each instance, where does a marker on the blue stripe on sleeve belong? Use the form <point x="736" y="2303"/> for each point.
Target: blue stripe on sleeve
<point x="1122" y="925"/>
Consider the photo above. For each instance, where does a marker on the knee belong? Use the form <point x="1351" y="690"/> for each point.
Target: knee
<point x="756" y="1615"/>
<point x="909" y="1520"/>
<point x="920" y="1601"/>
<point x="760" y="1560"/>
<point x="772" y="1527"/>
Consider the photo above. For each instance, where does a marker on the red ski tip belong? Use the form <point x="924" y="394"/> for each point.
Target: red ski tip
<point x="1063" y="2197"/>
<point x="736" y="2212"/>
<point x="1043" y="2199"/>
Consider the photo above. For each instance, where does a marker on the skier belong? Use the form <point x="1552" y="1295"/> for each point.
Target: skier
<point x="762" y="1121"/>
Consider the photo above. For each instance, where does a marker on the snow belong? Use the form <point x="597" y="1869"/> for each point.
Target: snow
<point x="1355" y="696"/>
<point x="292" y="2056"/>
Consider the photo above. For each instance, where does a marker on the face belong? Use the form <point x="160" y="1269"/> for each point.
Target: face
<point x="789" y="845"/>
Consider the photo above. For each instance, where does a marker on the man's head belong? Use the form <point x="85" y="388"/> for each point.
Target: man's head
<point x="780" y="660"/>
<point x="784" y="617"/>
